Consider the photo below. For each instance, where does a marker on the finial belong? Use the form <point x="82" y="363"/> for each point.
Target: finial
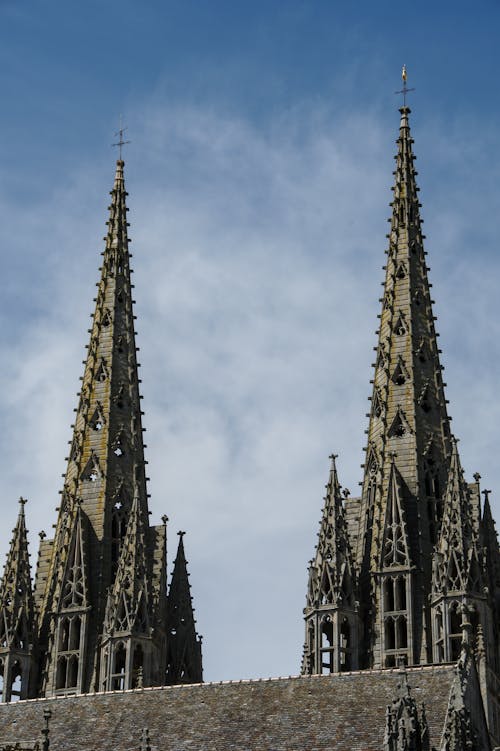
<point x="22" y="502"/>
<point x="181" y="534"/>
<point x="404" y="91"/>
<point x="346" y="493"/>
<point x="486" y="494"/>
<point x="42" y="535"/>
<point x="120" y="143"/>
<point x="393" y="455"/>
<point x="164" y="519"/>
<point x="476" y="476"/>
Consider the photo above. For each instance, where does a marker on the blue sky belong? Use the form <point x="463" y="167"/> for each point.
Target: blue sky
<point x="259" y="176"/>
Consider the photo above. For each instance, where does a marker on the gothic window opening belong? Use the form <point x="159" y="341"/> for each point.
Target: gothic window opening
<point x="118" y="674"/>
<point x="16" y="680"/>
<point x="396" y="640"/>
<point x="345" y="645"/>
<point x="401" y="271"/>
<point x="400" y="328"/>
<point x="455" y="630"/>
<point x="401" y="593"/>
<point x="68" y="657"/>
<point x="377" y="404"/>
<point x="327" y="648"/>
<point x="395" y="595"/>
<point x="106" y="319"/>
<point x="91" y="472"/>
<point x="399" y="375"/>
<point x="102" y="372"/>
<point x="389" y="599"/>
<point x="439" y="635"/>
<point x="390" y="633"/>
<point x="96" y="422"/>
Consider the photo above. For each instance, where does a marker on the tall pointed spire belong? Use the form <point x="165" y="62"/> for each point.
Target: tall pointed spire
<point x="417" y="532"/>
<point x="17" y="627"/>
<point x="331" y="607"/>
<point x="105" y="473"/>
<point x="409" y="425"/>
<point x="184" y="663"/>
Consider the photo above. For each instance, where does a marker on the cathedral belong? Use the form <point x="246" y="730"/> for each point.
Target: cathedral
<point x="401" y="649"/>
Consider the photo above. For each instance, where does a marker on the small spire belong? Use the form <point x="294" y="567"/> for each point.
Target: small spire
<point x="184" y="659"/>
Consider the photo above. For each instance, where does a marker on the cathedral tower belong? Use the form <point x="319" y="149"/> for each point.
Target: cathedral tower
<point x="411" y="566"/>
<point x="99" y="620"/>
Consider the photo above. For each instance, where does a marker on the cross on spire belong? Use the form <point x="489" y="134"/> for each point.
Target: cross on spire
<point x="404" y="91"/>
<point x="120" y="143"/>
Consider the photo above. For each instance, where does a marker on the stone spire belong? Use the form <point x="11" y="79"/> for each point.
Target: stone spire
<point x="128" y="619"/>
<point x="456" y="557"/>
<point x="331" y="623"/>
<point x="105" y="474"/>
<point x="128" y="606"/>
<point x="184" y="663"/>
<point x="408" y="433"/>
<point x="17" y="625"/>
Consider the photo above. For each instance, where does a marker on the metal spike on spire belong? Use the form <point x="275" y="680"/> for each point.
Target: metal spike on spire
<point x="404" y="91"/>
<point x="120" y="143"/>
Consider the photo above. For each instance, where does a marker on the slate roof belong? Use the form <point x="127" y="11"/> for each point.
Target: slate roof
<point x="343" y="712"/>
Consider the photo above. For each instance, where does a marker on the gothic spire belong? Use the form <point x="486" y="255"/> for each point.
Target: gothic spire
<point x="331" y="571"/>
<point x="457" y="554"/>
<point x="16" y="614"/>
<point x="184" y="661"/>
<point x="331" y="604"/>
<point x="489" y="540"/>
<point x="16" y="599"/>
<point x="106" y="469"/>
<point x="128" y="608"/>
<point x="408" y="432"/>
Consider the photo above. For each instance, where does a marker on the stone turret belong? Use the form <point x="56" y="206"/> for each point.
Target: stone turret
<point x="17" y="622"/>
<point x="331" y="612"/>
<point x="184" y="645"/>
